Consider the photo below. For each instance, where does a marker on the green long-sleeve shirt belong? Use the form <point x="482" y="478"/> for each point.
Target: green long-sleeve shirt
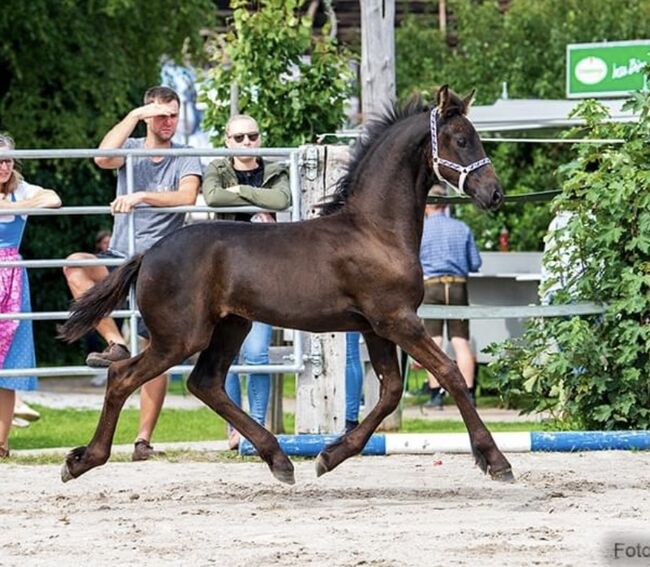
<point x="274" y="194"/>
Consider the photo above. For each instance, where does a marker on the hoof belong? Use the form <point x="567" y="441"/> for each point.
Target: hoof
<point x="285" y="476"/>
<point x="282" y="468"/>
<point x="66" y="475"/>
<point x="504" y="475"/>
<point x="321" y="465"/>
<point x="74" y="462"/>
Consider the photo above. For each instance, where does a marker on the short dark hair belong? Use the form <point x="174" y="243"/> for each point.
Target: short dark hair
<point x="164" y="94"/>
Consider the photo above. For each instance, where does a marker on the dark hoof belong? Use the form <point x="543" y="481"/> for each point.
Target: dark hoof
<point x="321" y="465"/>
<point x="66" y="475"/>
<point x="72" y="459"/>
<point x="282" y="469"/>
<point x="287" y="477"/>
<point x="504" y="475"/>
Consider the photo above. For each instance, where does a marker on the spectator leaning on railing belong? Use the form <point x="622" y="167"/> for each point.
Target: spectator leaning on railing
<point x="167" y="181"/>
<point x="248" y="180"/>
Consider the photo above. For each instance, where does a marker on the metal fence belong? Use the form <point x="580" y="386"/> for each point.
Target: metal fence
<point x="291" y="154"/>
<point x="296" y="358"/>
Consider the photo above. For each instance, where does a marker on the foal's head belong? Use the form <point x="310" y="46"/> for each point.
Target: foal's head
<point x="459" y="154"/>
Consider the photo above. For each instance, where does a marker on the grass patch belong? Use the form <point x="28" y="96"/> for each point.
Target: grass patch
<point x="71" y="427"/>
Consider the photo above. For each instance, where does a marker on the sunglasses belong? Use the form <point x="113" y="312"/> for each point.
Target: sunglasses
<point x="6" y="162"/>
<point x="239" y="138"/>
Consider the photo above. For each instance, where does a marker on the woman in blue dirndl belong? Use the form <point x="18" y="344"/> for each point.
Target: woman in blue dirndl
<point x="16" y="336"/>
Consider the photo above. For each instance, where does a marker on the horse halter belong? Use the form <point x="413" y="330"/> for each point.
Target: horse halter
<point x="464" y="170"/>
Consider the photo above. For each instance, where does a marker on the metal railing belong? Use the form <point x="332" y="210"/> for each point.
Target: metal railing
<point x="296" y="358"/>
<point x="509" y="311"/>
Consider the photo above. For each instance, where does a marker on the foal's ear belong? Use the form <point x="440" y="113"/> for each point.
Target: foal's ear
<point x="442" y="98"/>
<point x="469" y="100"/>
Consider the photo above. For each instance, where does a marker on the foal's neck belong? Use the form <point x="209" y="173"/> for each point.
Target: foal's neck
<point x="393" y="183"/>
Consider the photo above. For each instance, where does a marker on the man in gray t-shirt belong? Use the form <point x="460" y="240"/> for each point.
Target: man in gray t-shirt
<point x="153" y="177"/>
<point x="157" y="182"/>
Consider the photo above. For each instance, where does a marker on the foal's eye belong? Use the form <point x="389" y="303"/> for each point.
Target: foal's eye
<point x="462" y="142"/>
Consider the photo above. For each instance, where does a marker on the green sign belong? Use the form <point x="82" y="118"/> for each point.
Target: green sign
<point x="607" y="69"/>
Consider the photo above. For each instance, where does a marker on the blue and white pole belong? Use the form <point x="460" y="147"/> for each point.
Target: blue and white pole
<point x="430" y="443"/>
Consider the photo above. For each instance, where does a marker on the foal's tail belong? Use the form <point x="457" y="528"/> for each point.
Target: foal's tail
<point x="100" y="300"/>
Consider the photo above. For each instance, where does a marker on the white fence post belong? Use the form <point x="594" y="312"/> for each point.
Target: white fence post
<point x="320" y="388"/>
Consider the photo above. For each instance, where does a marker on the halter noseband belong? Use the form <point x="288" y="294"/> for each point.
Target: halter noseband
<point x="464" y="170"/>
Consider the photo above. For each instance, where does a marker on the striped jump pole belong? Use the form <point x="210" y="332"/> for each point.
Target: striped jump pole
<point x="429" y="443"/>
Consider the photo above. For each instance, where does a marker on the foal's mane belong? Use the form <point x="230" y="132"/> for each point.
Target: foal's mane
<point x="374" y="131"/>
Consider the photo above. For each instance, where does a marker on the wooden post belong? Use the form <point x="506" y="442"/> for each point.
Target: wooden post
<point x="442" y="16"/>
<point x="320" y="388"/>
<point x="377" y="55"/>
<point x="377" y="93"/>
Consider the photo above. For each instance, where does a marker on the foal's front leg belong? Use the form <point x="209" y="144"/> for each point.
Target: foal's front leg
<point x="383" y="356"/>
<point x="123" y="379"/>
<point x="410" y="334"/>
<point x="206" y="382"/>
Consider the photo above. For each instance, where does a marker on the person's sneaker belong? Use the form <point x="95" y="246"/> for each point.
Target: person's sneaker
<point x="143" y="451"/>
<point x="20" y="422"/>
<point x="437" y="402"/>
<point x="112" y="353"/>
<point x="23" y="411"/>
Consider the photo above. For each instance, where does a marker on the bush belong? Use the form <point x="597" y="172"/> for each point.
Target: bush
<point x="593" y="372"/>
<point x="525" y="47"/>
<point x="294" y="85"/>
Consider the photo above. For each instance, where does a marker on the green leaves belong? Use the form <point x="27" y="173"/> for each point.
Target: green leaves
<point x="594" y="371"/>
<point x="294" y="85"/>
<point x="69" y="71"/>
<point x="525" y="47"/>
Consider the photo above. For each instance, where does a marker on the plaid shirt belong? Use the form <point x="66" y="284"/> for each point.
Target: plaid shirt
<point x="448" y="247"/>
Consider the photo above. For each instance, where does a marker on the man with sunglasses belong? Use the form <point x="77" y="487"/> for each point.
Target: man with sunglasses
<point x="252" y="181"/>
<point x="246" y="180"/>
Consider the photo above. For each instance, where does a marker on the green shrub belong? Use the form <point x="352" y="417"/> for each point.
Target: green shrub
<point x="524" y="47"/>
<point x="265" y="53"/>
<point x="593" y="372"/>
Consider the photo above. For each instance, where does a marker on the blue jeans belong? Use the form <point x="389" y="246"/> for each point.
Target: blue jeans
<point x="254" y="350"/>
<point x="353" y="376"/>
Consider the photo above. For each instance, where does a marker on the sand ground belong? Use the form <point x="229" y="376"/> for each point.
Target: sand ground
<point x="564" y="509"/>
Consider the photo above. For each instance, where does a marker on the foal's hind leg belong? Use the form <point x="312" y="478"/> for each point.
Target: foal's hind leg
<point x="123" y="379"/>
<point x="207" y="380"/>
<point x="409" y="333"/>
<point x="383" y="356"/>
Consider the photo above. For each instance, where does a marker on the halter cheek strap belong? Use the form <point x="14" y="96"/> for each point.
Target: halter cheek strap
<point x="463" y="170"/>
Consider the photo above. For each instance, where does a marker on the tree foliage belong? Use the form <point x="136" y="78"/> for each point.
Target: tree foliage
<point x="524" y="47"/>
<point x="69" y="70"/>
<point x="593" y="372"/>
<point x="295" y="85"/>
